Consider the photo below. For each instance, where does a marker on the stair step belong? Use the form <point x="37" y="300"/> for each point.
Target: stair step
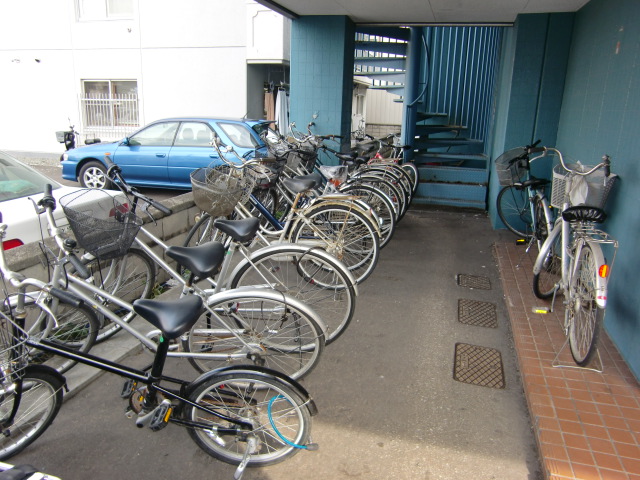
<point x="445" y="174"/>
<point x="397" y="77"/>
<point x="429" y="129"/>
<point x="388" y="32"/>
<point x="450" y="202"/>
<point x="452" y="191"/>
<point x="382" y="47"/>
<point x="386" y="62"/>
<point x="446" y="142"/>
<point x="421" y="116"/>
<point x="435" y="157"/>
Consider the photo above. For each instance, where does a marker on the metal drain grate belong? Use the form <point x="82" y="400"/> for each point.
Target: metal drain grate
<point x="478" y="366"/>
<point x="480" y="314"/>
<point x="474" y="281"/>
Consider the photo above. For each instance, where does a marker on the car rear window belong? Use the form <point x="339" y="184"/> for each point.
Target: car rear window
<point x="239" y="134"/>
<point x="17" y="180"/>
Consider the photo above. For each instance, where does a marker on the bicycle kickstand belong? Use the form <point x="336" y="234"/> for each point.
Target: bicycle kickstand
<point x="251" y="446"/>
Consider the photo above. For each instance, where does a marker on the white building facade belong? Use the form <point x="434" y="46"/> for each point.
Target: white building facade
<point x="110" y="66"/>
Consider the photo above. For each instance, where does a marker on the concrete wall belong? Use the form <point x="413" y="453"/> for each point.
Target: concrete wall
<point x="322" y="49"/>
<point x="600" y="114"/>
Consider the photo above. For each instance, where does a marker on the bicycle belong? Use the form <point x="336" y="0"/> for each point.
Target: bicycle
<point x="251" y="325"/>
<point x="245" y="416"/>
<point x="522" y="204"/>
<point x="571" y="260"/>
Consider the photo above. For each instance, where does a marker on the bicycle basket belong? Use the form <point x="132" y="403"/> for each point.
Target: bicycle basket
<point x="302" y="158"/>
<point x="101" y="224"/>
<point x="509" y="169"/>
<point x="13" y="350"/>
<point x="591" y="190"/>
<point x="217" y="190"/>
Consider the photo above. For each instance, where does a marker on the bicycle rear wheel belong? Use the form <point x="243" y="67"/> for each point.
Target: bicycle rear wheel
<point x="263" y="328"/>
<point x="40" y="396"/>
<point x="514" y="209"/>
<point x="280" y="418"/>
<point x="585" y="315"/>
<point x="312" y="277"/>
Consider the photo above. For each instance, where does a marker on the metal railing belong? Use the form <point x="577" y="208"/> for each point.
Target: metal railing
<point x="108" y="117"/>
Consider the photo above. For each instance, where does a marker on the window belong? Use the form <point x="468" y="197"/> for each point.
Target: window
<point x="158" y="134"/>
<point x="110" y="103"/>
<point x="194" y="134"/>
<point x="239" y="134"/>
<point x="104" y="9"/>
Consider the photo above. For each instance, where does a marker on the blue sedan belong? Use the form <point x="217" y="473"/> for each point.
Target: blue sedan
<point x="164" y="153"/>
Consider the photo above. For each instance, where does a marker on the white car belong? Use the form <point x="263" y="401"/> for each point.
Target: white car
<point x="20" y="187"/>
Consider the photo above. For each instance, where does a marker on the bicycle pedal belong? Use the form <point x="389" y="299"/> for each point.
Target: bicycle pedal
<point x="521" y="241"/>
<point x="156" y="419"/>
<point x="128" y="388"/>
<point x="541" y="310"/>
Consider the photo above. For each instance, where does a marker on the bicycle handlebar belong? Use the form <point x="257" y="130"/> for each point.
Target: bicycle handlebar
<point x="606" y="163"/>
<point x="115" y="173"/>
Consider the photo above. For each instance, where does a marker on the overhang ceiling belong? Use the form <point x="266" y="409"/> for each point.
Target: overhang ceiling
<point x="414" y="12"/>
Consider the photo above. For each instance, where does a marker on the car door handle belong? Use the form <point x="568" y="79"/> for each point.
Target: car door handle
<point x="161" y="155"/>
<point x="213" y="155"/>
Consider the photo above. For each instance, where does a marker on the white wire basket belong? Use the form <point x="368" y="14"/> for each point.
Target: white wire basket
<point x="589" y="190"/>
<point x="217" y="190"/>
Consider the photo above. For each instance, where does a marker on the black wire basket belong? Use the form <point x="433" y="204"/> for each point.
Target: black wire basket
<point x="510" y="168"/>
<point x="101" y="224"/>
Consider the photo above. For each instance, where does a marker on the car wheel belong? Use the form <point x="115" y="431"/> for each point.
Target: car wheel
<point x="94" y="175"/>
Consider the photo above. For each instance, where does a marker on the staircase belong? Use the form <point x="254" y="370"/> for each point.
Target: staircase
<point x="449" y="154"/>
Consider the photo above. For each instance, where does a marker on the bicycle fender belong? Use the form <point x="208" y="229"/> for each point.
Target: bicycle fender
<point x="537" y="266"/>
<point x="261" y="371"/>
<point x="48" y="370"/>
<point x="601" y="283"/>
<point x="298" y="249"/>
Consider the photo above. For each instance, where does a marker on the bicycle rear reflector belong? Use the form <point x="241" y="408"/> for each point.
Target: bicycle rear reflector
<point x="603" y="271"/>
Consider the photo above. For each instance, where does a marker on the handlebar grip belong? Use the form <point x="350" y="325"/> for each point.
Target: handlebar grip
<point x="108" y="161"/>
<point x="536" y="149"/>
<point x="66" y="297"/>
<point x="159" y="206"/>
<point x="80" y="267"/>
<point x="47" y="200"/>
<point x="607" y="165"/>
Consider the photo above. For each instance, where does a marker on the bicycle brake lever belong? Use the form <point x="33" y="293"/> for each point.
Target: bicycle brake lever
<point x="145" y="209"/>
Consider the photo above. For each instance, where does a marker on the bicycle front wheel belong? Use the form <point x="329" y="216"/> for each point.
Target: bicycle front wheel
<point x="40" y="396"/>
<point x="280" y="418"/>
<point x="312" y="277"/>
<point x="344" y="232"/>
<point x="129" y="278"/>
<point x="585" y="315"/>
<point x="380" y="203"/>
<point x="547" y="281"/>
<point x="253" y="327"/>
<point x="514" y="209"/>
<point x="70" y="326"/>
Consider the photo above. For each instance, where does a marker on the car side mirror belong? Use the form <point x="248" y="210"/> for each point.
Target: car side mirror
<point x="125" y="141"/>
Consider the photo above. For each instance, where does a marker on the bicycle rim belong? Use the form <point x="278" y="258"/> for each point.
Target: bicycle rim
<point x="546" y="282"/>
<point x="585" y="316"/>
<point x="381" y="204"/>
<point x="268" y="332"/>
<point x="514" y="210"/>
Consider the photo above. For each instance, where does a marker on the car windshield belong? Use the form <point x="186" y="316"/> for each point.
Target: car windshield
<point x="17" y="180"/>
<point x="239" y="134"/>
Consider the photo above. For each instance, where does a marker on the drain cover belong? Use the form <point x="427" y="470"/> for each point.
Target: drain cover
<point x="480" y="314"/>
<point x="474" y="281"/>
<point x="478" y="366"/>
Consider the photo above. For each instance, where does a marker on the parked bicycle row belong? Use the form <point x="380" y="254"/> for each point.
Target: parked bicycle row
<point x="574" y="257"/>
<point x="253" y="320"/>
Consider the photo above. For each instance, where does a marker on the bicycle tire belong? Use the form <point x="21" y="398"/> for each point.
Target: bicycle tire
<point x="129" y="278"/>
<point x="342" y="231"/>
<point x="40" y="397"/>
<point x="514" y="210"/>
<point x="276" y="331"/>
<point x="261" y="400"/>
<point x="547" y="280"/>
<point x="414" y="175"/>
<point x="77" y="329"/>
<point x="312" y="277"/>
<point x="380" y="203"/>
<point x="585" y="315"/>
<point x="395" y="192"/>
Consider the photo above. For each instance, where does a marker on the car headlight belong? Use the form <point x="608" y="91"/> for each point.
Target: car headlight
<point x="64" y="157"/>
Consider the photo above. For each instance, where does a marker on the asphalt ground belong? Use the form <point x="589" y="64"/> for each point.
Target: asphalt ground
<point x="389" y="405"/>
